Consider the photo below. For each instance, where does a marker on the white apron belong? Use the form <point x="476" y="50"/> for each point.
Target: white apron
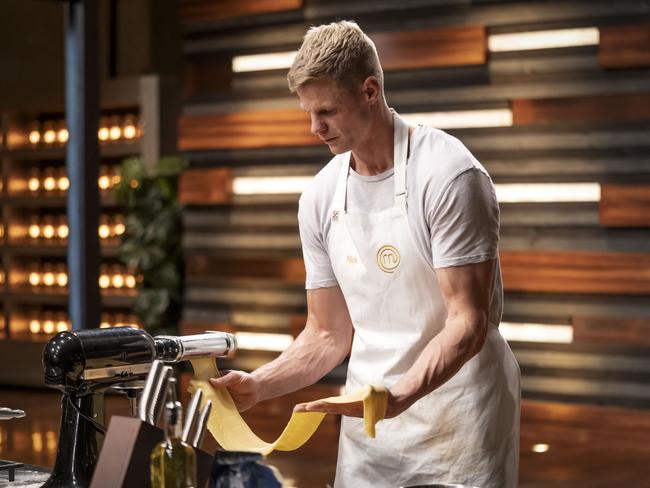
<point x="466" y="431"/>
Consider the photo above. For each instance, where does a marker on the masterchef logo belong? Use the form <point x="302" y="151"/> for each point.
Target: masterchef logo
<point x="387" y="259"/>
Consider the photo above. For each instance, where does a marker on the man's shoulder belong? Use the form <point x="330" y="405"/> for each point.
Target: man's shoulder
<point x="440" y="157"/>
<point x="322" y="186"/>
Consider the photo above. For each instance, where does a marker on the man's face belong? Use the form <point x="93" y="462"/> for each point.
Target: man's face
<point x="339" y="115"/>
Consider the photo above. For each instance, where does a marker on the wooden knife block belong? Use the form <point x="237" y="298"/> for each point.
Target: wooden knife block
<point x="124" y="459"/>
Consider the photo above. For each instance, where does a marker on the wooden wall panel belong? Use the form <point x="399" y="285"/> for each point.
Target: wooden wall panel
<point x="576" y="272"/>
<point x="624" y="46"/>
<point x="206" y="75"/>
<point x="550" y="271"/>
<point x="271" y="128"/>
<point x="297" y="324"/>
<point x="611" y="331"/>
<point x="191" y="328"/>
<point x="210" y="10"/>
<point x="286" y="270"/>
<point x="591" y="109"/>
<point x="583" y="424"/>
<point x="426" y="48"/>
<point x="205" y="186"/>
<point x="625" y="206"/>
<point x="575" y="120"/>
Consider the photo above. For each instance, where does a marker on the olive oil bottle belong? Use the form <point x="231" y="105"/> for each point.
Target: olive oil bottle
<point x="173" y="462"/>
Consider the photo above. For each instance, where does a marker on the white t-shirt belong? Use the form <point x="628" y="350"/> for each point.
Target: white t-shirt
<point x="452" y="208"/>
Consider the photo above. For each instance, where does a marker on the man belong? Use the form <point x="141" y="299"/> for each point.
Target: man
<point x="399" y="233"/>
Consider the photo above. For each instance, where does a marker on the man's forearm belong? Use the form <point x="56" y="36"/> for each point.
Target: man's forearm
<point x="313" y="354"/>
<point x="462" y="338"/>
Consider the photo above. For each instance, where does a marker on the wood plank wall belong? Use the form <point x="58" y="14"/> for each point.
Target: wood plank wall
<point x="580" y="114"/>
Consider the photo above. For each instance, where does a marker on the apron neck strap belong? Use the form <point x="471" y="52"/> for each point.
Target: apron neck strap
<point x="341" y="185"/>
<point x="400" y="152"/>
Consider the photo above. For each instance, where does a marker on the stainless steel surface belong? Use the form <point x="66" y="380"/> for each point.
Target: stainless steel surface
<point x="201" y="425"/>
<point x="132" y="390"/>
<point x="171" y="390"/>
<point x="215" y="343"/>
<point x="191" y="414"/>
<point x="158" y="396"/>
<point x="9" y="413"/>
<point x="152" y="380"/>
<point x="116" y="371"/>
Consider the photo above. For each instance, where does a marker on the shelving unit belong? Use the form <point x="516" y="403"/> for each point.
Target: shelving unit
<point x="33" y="220"/>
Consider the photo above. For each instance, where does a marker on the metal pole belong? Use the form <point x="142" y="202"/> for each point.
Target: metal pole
<point x="82" y="111"/>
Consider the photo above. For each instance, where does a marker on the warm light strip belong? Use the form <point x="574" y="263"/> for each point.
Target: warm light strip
<point x="546" y="39"/>
<point x="463" y="119"/>
<point x="264" y="185"/>
<point x="547" y="192"/>
<point x="521" y="332"/>
<point x="506" y="192"/>
<point x="516" y="41"/>
<point x="540" y="448"/>
<point x="258" y="341"/>
<point x="263" y="62"/>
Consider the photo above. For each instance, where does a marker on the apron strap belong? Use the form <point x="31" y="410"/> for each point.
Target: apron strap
<point x="400" y="152"/>
<point x="401" y="144"/>
<point x="341" y="186"/>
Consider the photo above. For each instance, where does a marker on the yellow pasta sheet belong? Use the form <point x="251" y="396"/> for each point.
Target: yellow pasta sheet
<point x="233" y="434"/>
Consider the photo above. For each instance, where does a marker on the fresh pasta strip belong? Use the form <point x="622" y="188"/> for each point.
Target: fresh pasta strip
<point x="233" y="434"/>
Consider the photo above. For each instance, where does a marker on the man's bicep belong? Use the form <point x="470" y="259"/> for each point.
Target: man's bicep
<point x="467" y="288"/>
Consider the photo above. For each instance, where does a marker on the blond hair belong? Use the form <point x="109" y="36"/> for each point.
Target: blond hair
<point x="340" y="50"/>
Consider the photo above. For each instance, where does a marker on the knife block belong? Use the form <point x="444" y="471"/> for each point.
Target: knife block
<point x="124" y="459"/>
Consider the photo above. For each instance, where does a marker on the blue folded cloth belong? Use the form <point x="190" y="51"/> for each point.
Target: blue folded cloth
<point x="241" y="470"/>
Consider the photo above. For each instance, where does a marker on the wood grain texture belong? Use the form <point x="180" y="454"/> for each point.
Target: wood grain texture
<point x="549" y="271"/>
<point x="210" y="10"/>
<point x="583" y="440"/>
<point x="190" y="328"/>
<point x="610" y="331"/>
<point x="297" y="324"/>
<point x="205" y="186"/>
<point x="624" y="46"/>
<point x="625" y="206"/>
<point x="426" y="48"/>
<point x="576" y="272"/>
<point x="271" y="128"/>
<point x="290" y="270"/>
<point x="578" y="109"/>
<point x="206" y="74"/>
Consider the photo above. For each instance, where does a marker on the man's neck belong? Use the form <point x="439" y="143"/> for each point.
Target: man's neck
<point x="375" y="155"/>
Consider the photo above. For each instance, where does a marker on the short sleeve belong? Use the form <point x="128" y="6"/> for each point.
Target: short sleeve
<point x="319" y="272"/>
<point x="464" y="223"/>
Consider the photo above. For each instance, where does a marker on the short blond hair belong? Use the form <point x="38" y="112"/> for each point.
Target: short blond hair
<point x="340" y="50"/>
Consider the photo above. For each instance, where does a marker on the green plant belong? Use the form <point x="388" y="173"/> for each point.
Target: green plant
<point x="151" y="243"/>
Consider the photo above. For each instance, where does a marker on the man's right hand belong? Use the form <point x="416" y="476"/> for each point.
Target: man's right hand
<point x="242" y="386"/>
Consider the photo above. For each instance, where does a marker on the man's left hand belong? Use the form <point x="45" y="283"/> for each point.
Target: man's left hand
<point x="353" y="409"/>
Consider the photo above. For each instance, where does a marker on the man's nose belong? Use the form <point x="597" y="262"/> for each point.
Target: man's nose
<point x="317" y="126"/>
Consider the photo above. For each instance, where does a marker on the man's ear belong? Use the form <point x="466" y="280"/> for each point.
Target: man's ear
<point x="371" y="89"/>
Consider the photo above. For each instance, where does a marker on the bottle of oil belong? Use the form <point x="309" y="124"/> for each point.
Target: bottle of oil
<point x="173" y="462"/>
